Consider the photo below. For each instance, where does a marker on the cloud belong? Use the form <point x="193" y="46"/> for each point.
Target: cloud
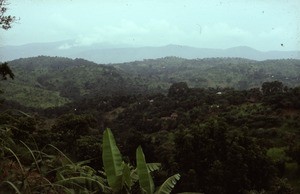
<point x="65" y="46"/>
<point x="162" y="32"/>
<point x="224" y="31"/>
<point x="128" y="32"/>
<point x="212" y="24"/>
<point x="214" y="35"/>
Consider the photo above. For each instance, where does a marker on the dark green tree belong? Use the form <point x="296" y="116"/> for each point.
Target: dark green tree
<point x="5" y="20"/>
<point x="6" y="72"/>
<point x="271" y="88"/>
<point x="5" y="23"/>
<point x="70" y="90"/>
<point x="213" y="158"/>
<point x="178" y="89"/>
<point x="69" y="128"/>
<point x="254" y="94"/>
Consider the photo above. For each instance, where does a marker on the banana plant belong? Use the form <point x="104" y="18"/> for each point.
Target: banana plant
<point x="112" y="161"/>
<point x="121" y="176"/>
<point x="145" y="178"/>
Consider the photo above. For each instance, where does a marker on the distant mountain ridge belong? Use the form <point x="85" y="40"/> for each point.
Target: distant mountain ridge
<point x="108" y="53"/>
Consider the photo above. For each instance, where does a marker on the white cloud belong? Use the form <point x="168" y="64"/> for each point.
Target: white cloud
<point x="129" y="32"/>
<point x="65" y="46"/>
<point x="214" y="24"/>
<point x="224" y="31"/>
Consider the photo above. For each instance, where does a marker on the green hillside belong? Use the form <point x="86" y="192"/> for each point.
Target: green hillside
<point x="53" y="81"/>
<point x="220" y="140"/>
<point x="213" y="72"/>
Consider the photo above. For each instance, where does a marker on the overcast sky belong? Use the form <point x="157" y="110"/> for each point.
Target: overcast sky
<point x="261" y="24"/>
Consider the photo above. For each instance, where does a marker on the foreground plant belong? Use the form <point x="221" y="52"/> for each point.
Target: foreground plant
<point x="45" y="173"/>
<point x="25" y="170"/>
<point x="122" y="177"/>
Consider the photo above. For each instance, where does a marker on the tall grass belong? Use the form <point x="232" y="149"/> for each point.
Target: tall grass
<point x="46" y="173"/>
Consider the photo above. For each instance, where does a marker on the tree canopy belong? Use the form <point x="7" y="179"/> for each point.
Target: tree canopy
<point x="6" y="72"/>
<point x="5" y="20"/>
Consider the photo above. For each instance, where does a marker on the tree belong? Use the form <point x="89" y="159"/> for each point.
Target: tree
<point x="69" y="128"/>
<point x="5" y="20"/>
<point x="5" y="71"/>
<point x="271" y="88"/>
<point x="213" y="158"/>
<point x="5" y="23"/>
<point x="273" y="94"/>
<point x="70" y="90"/>
<point x="179" y="89"/>
<point x="254" y="94"/>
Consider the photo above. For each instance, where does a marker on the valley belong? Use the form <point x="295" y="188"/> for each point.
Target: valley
<point x="220" y="125"/>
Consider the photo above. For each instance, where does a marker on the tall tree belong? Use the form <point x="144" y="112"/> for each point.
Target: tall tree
<point x="5" y="20"/>
<point x="5" y="71"/>
<point x="5" y="23"/>
<point x="271" y="88"/>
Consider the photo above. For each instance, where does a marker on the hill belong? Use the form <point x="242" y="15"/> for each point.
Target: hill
<point x="53" y="81"/>
<point x="212" y="72"/>
<point x="219" y="140"/>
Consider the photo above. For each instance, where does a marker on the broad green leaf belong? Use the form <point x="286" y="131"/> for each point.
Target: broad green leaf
<point x="112" y="161"/>
<point x="168" y="185"/>
<point x="145" y="179"/>
<point x="134" y="176"/>
<point x="153" y="166"/>
<point x="126" y="175"/>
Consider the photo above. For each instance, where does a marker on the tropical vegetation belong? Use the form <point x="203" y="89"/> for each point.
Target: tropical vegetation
<point x="205" y="139"/>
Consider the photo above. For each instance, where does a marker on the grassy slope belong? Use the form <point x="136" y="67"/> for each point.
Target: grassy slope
<point x="33" y="97"/>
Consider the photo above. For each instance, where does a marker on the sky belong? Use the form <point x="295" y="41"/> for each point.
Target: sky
<point x="260" y="24"/>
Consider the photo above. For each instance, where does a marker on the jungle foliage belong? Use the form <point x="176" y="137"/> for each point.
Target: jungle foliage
<point x="43" y="82"/>
<point x="215" y="139"/>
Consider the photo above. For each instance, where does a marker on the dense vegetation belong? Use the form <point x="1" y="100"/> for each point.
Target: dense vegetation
<point x="219" y="139"/>
<point x="53" y="81"/>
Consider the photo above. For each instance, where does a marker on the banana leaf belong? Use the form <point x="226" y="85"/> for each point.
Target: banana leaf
<point x="112" y="161"/>
<point x="168" y="185"/>
<point x="145" y="179"/>
<point x="153" y="166"/>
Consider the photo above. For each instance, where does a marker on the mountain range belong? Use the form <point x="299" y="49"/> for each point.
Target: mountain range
<point x="107" y="53"/>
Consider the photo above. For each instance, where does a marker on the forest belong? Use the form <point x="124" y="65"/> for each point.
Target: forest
<point x="215" y="125"/>
<point x="44" y="82"/>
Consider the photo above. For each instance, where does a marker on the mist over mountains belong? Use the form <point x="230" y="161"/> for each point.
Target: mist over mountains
<point x="111" y="53"/>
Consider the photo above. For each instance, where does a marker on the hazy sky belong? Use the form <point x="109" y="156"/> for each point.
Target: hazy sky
<point x="261" y="24"/>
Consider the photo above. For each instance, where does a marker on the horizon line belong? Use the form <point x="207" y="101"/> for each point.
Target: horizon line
<point x="137" y="46"/>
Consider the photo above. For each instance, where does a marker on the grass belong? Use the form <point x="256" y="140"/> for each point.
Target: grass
<point x="33" y="97"/>
<point x="18" y="177"/>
